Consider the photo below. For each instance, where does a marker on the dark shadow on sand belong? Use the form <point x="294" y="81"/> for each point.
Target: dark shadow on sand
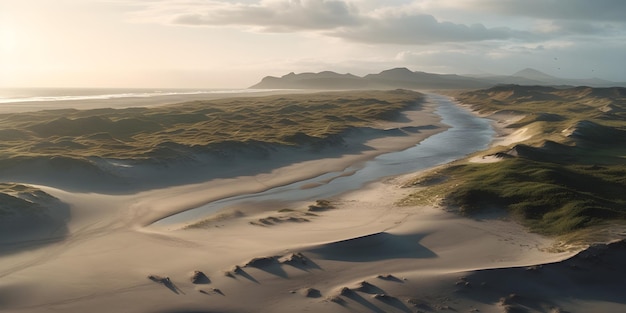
<point x="200" y="278"/>
<point x="362" y="301"/>
<point x="244" y="274"/>
<point x="394" y="302"/>
<point x="213" y="291"/>
<point x="390" y="277"/>
<point x="369" y="288"/>
<point x="595" y="274"/>
<point x="303" y="263"/>
<point x="44" y="228"/>
<point x="273" y="268"/>
<point x="375" y="247"/>
<point x="167" y="282"/>
<point x="275" y="265"/>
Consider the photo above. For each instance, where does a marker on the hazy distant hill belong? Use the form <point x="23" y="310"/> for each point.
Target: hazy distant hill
<point x="405" y="78"/>
<point x="322" y="80"/>
<point x="546" y="79"/>
<point x="534" y="74"/>
<point x="389" y="79"/>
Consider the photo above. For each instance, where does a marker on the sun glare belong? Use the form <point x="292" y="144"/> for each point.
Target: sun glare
<point x="8" y="40"/>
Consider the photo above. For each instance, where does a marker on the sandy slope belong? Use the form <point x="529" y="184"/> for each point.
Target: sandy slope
<point x="505" y="136"/>
<point x="103" y="266"/>
<point x="267" y="259"/>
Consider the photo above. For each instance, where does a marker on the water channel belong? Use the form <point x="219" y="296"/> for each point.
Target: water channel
<point x="467" y="133"/>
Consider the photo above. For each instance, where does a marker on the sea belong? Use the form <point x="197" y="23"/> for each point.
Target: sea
<point x="15" y="100"/>
<point x="18" y="95"/>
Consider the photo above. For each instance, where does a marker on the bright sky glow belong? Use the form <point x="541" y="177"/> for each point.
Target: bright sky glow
<point x="218" y="44"/>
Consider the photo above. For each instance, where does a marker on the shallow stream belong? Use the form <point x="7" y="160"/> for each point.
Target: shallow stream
<point x="467" y="134"/>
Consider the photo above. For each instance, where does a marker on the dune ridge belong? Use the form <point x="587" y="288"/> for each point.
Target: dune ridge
<point x="29" y="214"/>
<point x="559" y="169"/>
<point x="124" y="149"/>
<point x="364" y="251"/>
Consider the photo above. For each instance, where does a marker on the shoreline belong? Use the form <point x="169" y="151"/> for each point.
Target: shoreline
<point x="322" y="165"/>
<point x="130" y="102"/>
<point x="346" y="165"/>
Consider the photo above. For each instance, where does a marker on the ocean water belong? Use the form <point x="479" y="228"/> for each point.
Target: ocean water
<point x="20" y="95"/>
<point x="16" y="100"/>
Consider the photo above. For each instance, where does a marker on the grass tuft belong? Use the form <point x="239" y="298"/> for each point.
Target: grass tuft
<point x="570" y="176"/>
<point x="200" y="126"/>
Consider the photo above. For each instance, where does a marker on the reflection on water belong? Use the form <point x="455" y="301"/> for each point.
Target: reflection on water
<point x="467" y="134"/>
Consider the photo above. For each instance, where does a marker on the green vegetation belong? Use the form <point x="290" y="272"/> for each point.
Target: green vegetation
<point x="169" y="131"/>
<point x="549" y="198"/>
<point x="571" y="175"/>
<point x="592" y="114"/>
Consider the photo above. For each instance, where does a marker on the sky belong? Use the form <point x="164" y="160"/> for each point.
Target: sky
<point x="233" y="44"/>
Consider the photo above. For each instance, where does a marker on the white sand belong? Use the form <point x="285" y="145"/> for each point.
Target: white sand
<point x="505" y="137"/>
<point x="103" y="265"/>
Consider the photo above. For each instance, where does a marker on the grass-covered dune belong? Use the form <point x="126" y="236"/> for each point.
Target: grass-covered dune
<point x="146" y="132"/>
<point x="568" y="176"/>
<point x="79" y="140"/>
<point x="21" y="199"/>
<point x="30" y="214"/>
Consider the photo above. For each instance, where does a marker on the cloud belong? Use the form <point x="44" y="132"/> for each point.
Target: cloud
<point x="424" y="29"/>
<point x="336" y="18"/>
<point x="570" y="27"/>
<point x="272" y="16"/>
<point x="570" y="59"/>
<point x="596" y="10"/>
<point x="397" y="22"/>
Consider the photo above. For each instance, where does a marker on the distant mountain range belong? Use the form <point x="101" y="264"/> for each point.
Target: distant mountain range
<point x="405" y="78"/>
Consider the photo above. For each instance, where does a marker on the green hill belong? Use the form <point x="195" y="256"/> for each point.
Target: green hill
<point x="568" y="177"/>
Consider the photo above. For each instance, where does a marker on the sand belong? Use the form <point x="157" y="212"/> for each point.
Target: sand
<point x="361" y="253"/>
<point x="505" y="137"/>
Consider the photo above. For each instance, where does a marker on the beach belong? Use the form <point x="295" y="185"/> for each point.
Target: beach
<point x="84" y="99"/>
<point x="359" y="251"/>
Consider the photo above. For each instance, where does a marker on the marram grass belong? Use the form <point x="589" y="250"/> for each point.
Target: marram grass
<point x="569" y="176"/>
<point x="143" y="133"/>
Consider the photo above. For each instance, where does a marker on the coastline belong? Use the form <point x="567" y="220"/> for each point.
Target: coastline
<point x="131" y="102"/>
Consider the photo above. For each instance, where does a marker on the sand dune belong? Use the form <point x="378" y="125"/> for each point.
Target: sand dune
<point x="30" y="217"/>
<point x="359" y="252"/>
<point x="588" y="281"/>
<point x="136" y="149"/>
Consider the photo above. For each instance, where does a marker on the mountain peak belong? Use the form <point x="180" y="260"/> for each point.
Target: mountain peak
<point x="401" y="73"/>
<point x="398" y="70"/>
<point x="532" y="73"/>
<point x="402" y="77"/>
